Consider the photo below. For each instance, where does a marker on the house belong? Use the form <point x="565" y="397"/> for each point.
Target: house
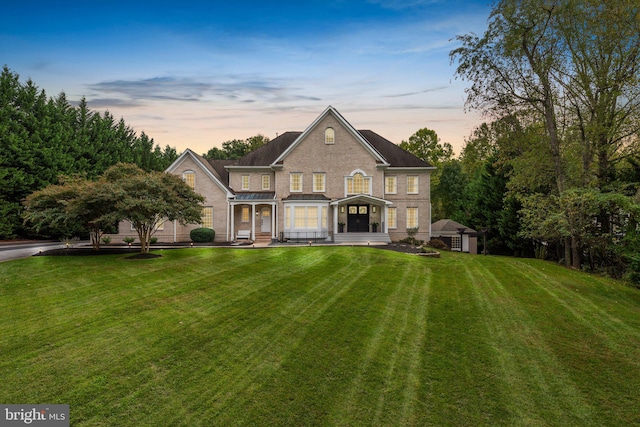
<point x="330" y="182"/>
<point x="457" y="236"/>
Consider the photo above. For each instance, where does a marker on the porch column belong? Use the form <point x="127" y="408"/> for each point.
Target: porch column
<point x="253" y="221"/>
<point x="273" y="221"/>
<point x="233" y="221"/>
<point x="385" y="214"/>
<point x="335" y="219"/>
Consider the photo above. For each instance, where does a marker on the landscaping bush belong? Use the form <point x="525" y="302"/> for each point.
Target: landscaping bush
<point x="129" y="239"/>
<point x="438" y="244"/>
<point x="106" y="239"/>
<point x="202" y="235"/>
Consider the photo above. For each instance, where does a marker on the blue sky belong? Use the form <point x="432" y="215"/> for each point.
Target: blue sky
<point x="197" y="73"/>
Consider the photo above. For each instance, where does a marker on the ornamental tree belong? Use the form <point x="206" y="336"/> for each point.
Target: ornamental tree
<point x="146" y="199"/>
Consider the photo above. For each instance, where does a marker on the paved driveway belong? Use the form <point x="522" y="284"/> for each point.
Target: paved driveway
<point x="11" y="251"/>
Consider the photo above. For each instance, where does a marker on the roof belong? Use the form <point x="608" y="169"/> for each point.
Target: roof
<point x="449" y="226"/>
<point x="264" y="195"/>
<point x="395" y="156"/>
<point x="306" y="197"/>
<point x="267" y="154"/>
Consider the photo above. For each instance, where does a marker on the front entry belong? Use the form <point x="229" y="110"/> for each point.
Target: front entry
<point x="265" y="220"/>
<point x="358" y="219"/>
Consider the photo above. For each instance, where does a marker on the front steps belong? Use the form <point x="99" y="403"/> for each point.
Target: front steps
<point x="361" y="238"/>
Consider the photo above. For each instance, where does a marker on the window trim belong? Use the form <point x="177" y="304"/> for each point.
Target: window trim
<point x="417" y="217"/>
<point x="268" y="179"/>
<point x="248" y="182"/>
<point x="393" y="225"/>
<point x="395" y="184"/>
<point x="417" y="184"/>
<point x="291" y="175"/>
<point x="202" y="223"/>
<point x="324" y="182"/>
<point x="329" y="136"/>
<point x="184" y="178"/>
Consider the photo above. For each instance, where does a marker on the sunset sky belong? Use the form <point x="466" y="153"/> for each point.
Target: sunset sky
<point x="194" y="74"/>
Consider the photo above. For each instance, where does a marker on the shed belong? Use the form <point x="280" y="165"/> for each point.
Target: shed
<point x="457" y="236"/>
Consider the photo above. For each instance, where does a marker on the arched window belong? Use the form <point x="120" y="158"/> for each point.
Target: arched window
<point x="358" y="183"/>
<point x="329" y="136"/>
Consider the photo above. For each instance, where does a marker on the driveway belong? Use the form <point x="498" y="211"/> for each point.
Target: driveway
<point x="19" y="250"/>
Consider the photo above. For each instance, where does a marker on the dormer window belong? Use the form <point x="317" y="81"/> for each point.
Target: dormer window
<point x="329" y="136"/>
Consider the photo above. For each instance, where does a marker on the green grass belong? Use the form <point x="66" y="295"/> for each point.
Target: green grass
<point x="319" y="336"/>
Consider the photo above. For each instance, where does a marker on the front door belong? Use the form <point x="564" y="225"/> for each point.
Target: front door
<point x="265" y="220"/>
<point x="358" y="219"/>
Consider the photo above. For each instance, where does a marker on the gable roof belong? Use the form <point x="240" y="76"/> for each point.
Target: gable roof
<point x="273" y="152"/>
<point x="332" y="111"/>
<point x="206" y="166"/>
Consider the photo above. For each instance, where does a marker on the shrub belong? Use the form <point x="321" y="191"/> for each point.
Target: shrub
<point x="153" y="240"/>
<point x="129" y="239"/>
<point x="202" y="235"/>
<point x="438" y="244"/>
<point x="106" y="239"/>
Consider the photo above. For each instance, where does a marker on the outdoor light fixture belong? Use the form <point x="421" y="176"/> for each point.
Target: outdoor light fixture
<point x="191" y="244"/>
<point x="374" y="209"/>
<point x="341" y="209"/>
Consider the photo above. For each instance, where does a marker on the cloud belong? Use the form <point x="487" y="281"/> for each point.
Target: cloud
<point x="400" y="95"/>
<point x="236" y="88"/>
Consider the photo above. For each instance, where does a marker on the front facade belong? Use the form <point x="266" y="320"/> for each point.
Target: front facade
<point x="328" y="183"/>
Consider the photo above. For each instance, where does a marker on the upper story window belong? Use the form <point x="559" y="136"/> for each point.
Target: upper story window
<point x="391" y="184"/>
<point x="189" y="177"/>
<point x="266" y="182"/>
<point x="358" y="183"/>
<point x="245" y="182"/>
<point x="295" y="182"/>
<point x="412" y="185"/>
<point x="319" y="182"/>
<point x="329" y="136"/>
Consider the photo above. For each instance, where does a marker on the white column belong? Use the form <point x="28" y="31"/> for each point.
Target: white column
<point x="233" y="221"/>
<point x="253" y="221"/>
<point x="273" y="221"/>
<point x="335" y="219"/>
<point x="385" y="216"/>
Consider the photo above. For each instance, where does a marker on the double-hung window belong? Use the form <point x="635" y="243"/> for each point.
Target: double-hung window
<point x="295" y="182"/>
<point x="391" y="184"/>
<point x="412" y="218"/>
<point x="412" y="185"/>
<point x="319" y="182"/>
<point x="189" y="177"/>
<point x="245" y="182"/>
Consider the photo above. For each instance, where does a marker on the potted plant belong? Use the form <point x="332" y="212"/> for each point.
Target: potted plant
<point x="341" y="227"/>
<point x="374" y="227"/>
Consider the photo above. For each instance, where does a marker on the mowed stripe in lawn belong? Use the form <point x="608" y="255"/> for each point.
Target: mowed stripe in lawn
<point x="319" y="336"/>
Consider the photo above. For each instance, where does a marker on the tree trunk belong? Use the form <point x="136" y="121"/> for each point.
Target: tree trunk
<point x="567" y="252"/>
<point x="576" y="251"/>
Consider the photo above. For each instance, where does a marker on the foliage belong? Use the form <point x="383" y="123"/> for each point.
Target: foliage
<point x="129" y="239"/>
<point x="43" y="138"/>
<point x="146" y="199"/>
<point x="202" y="235"/>
<point x="236" y="148"/>
<point x="426" y="145"/>
<point x="438" y="244"/>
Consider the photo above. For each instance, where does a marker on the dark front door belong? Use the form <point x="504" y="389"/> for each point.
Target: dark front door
<point x="358" y="219"/>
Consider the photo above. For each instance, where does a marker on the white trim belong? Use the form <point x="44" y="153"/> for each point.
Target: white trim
<point x="172" y="168"/>
<point x="330" y="110"/>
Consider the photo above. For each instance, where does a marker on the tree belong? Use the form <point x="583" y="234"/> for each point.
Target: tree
<point x="147" y="198"/>
<point x="426" y="145"/>
<point x="74" y="206"/>
<point x="236" y="148"/>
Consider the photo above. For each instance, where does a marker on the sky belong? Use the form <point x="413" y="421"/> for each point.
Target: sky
<point x="193" y="74"/>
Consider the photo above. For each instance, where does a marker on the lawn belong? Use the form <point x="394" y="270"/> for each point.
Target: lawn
<point x="338" y="336"/>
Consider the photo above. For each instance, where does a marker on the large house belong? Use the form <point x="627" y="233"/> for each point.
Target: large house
<point x="328" y="183"/>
